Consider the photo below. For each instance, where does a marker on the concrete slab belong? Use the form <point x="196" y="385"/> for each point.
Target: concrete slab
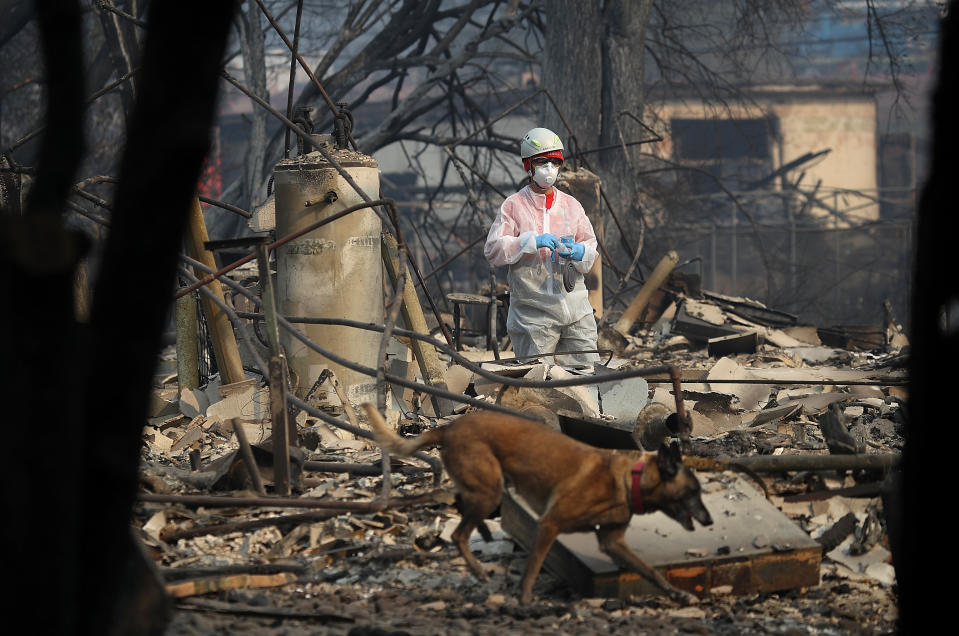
<point x="624" y="399"/>
<point x="751" y="396"/>
<point x="586" y="395"/>
<point x="751" y="547"/>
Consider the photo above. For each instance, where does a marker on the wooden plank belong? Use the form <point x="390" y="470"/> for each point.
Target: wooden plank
<point x="230" y="582"/>
<point x="751" y="546"/>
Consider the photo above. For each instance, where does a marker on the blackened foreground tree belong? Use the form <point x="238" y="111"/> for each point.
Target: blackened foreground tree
<point x="926" y="591"/>
<point x="69" y="465"/>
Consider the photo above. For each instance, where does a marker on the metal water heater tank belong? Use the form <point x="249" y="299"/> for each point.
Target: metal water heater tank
<point x="334" y="271"/>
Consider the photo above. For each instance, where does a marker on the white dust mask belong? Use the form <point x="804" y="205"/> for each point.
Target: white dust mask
<point x="545" y="175"/>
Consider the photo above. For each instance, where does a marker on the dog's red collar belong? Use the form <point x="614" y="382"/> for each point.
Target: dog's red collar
<point x="637" y="493"/>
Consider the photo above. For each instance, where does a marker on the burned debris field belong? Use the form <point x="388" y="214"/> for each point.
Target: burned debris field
<point x="373" y="317"/>
<point x="819" y="562"/>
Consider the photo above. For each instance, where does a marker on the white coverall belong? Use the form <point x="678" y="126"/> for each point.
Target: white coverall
<point x="543" y="317"/>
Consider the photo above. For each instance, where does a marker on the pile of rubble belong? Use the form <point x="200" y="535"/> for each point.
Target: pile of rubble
<point x="754" y="385"/>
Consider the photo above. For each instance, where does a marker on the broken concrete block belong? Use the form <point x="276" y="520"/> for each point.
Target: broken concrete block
<point x="400" y="369"/>
<point x="898" y="341"/>
<point x="156" y="523"/>
<point x="241" y="399"/>
<point x="664" y="396"/>
<point x="159" y="441"/>
<point x="675" y="343"/>
<point x="331" y="440"/>
<point x="191" y="435"/>
<point x="806" y="334"/>
<point x="458" y="378"/>
<point x="624" y="399"/>
<point x="256" y="431"/>
<point x="704" y="311"/>
<point x="814" y="355"/>
<point x="750" y="396"/>
<point x="780" y="338"/>
<point x="866" y="393"/>
<point x="161" y="407"/>
<point x="777" y="414"/>
<point x="871" y="565"/>
<point x="586" y="395"/>
<point x="163" y="424"/>
<point x="193" y="402"/>
<point x="664" y="321"/>
<point x="851" y="412"/>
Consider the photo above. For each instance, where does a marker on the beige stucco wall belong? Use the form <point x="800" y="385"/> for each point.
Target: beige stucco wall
<point x="846" y="125"/>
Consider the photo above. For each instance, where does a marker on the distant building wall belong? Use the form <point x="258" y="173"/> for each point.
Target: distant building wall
<point x="800" y="121"/>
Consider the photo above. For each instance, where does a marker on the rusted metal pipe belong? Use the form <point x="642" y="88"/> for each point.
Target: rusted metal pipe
<point x="299" y="58"/>
<point x="685" y="423"/>
<point x="293" y="61"/>
<point x="226" y="206"/>
<point x="355" y="469"/>
<point x="781" y="463"/>
<point x="247" y="452"/>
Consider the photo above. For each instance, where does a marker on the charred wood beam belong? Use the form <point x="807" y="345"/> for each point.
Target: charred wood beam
<point x="239" y="526"/>
<point x="289" y="502"/>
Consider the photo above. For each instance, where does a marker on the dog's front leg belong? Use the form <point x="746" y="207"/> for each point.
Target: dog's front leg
<point x="612" y="541"/>
<point x="544" y="539"/>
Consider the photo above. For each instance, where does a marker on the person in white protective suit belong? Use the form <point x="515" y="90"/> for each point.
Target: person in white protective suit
<point x="536" y="231"/>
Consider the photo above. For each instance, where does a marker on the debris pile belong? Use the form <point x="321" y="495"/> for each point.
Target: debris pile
<point x="755" y="385"/>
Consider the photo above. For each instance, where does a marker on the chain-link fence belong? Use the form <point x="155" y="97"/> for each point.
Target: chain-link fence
<point x="826" y="276"/>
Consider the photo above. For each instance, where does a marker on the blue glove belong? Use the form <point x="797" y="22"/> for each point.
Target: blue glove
<point x="577" y="252"/>
<point x="547" y="240"/>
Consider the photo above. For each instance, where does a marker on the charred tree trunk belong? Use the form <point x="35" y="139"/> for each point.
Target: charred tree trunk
<point x="69" y="541"/>
<point x="927" y="461"/>
<point x="593" y="67"/>
<point x="123" y="46"/>
<point x="254" y="68"/>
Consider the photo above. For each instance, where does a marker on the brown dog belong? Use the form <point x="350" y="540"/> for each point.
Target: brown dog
<point x="572" y="486"/>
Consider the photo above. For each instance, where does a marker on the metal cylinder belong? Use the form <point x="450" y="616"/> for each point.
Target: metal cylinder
<point x="654" y="425"/>
<point x="334" y="271"/>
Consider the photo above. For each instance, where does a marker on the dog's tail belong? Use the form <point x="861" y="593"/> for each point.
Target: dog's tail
<point x="393" y="443"/>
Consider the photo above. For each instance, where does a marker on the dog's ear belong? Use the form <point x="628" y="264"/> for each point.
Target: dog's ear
<point x="668" y="460"/>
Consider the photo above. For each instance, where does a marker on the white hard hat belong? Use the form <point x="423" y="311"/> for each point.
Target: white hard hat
<point x="539" y="141"/>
